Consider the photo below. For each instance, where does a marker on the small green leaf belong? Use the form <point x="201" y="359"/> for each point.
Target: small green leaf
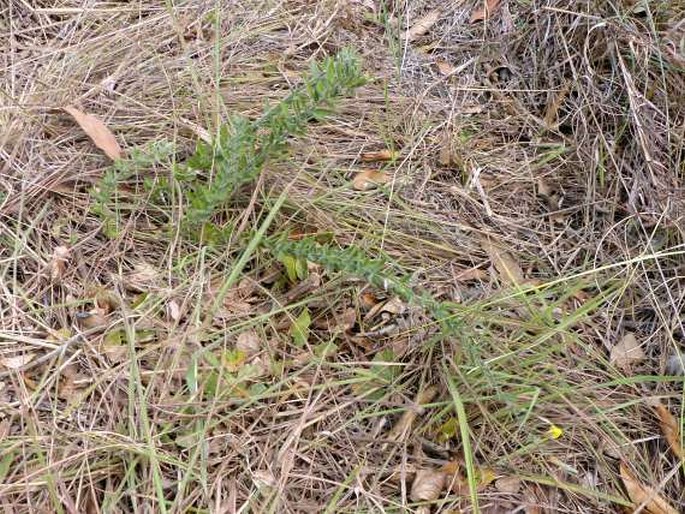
<point x="324" y="350"/>
<point x="233" y="360"/>
<point x="377" y="376"/>
<point x="385" y="372"/>
<point x="191" y="376"/>
<point x="187" y="440"/>
<point x="301" y="268"/>
<point x="256" y="390"/>
<point x="277" y="367"/>
<point x="290" y="263"/>
<point x="211" y="384"/>
<point x="6" y="463"/>
<point x="448" y="430"/>
<point x="115" y="338"/>
<point x="299" y="330"/>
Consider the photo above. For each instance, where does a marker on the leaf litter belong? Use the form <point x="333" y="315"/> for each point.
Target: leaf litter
<point x="508" y="128"/>
<point x="97" y="131"/>
<point x="670" y="427"/>
<point x="641" y="494"/>
<point x="368" y="179"/>
<point x="485" y="9"/>
<point x="423" y="25"/>
<point x="626" y="352"/>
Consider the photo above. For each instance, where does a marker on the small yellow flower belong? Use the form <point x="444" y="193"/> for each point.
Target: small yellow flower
<point x="555" y="432"/>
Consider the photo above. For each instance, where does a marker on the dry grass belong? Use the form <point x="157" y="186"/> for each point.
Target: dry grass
<point x="557" y="136"/>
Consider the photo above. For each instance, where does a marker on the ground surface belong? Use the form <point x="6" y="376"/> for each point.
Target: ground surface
<point x="533" y="188"/>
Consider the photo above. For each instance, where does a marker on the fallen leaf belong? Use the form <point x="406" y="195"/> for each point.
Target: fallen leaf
<point x="299" y="330"/>
<point x="671" y="430"/>
<point x="367" y="179"/>
<point x="260" y="366"/>
<point x="505" y="264"/>
<point x="404" y="425"/>
<point x="486" y="9"/>
<point x="509" y="485"/>
<point x="394" y="306"/>
<point x="553" y="106"/>
<point x="471" y="274"/>
<point x="458" y="482"/>
<point x="626" y="352"/>
<point x="427" y="485"/>
<point x="17" y="361"/>
<point x="423" y="25"/>
<point x="369" y="300"/>
<point x="544" y="188"/>
<point x="249" y="343"/>
<point x="105" y="301"/>
<point x="97" y="131"/>
<point x="58" y="264"/>
<point x="173" y="310"/>
<point x="95" y="318"/>
<point x="264" y="478"/>
<point x="347" y="320"/>
<point x="380" y="155"/>
<point x="143" y="276"/>
<point x="641" y="494"/>
<point x="115" y="345"/>
<point x="67" y="383"/>
<point x="444" y="67"/>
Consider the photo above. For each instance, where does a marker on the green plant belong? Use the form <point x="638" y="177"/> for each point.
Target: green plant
<point x="106" y="201"/>
<point x="353" y="261"/>
<point x="244" y="146"/>
<point x="239" y="152"/>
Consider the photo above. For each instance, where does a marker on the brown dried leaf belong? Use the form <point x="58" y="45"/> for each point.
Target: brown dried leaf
<point x="444" y="67"/>
<point x="97" y="131"/>
<point x="367" y="179"/>
<point x="16" y="362"/>
<point x="457" y="481"/>
<point x="554" y="105"/>
<point x="142" y="278"/>
<point x="369" y="300"/>
<point x="427" y="485"/>
<point x="641" y="494"/>
<point x="626" y="352"/>
<point x="106" y="301"/>
<point x="471" y="274"/>
<point x="486" y="9"/>
<point x="58" y="264"/>
<point x="509" y="485"/>
<point x="173" y="310"/>
<point x="403" y="427"/>
<point x="505" y="264"/>
<point x="249" y="343"/>
<point x="380" y="155"/>
<point x="445" y="156"/>
<point x="95" y="318"/>
<point x="671" y="430"/>
<point x="348" y="319"/>
<point x="394" y="306"/>
<point x="423" y="25"/>
<point x="67" y="383"/>
<point x="544" y="188"/>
